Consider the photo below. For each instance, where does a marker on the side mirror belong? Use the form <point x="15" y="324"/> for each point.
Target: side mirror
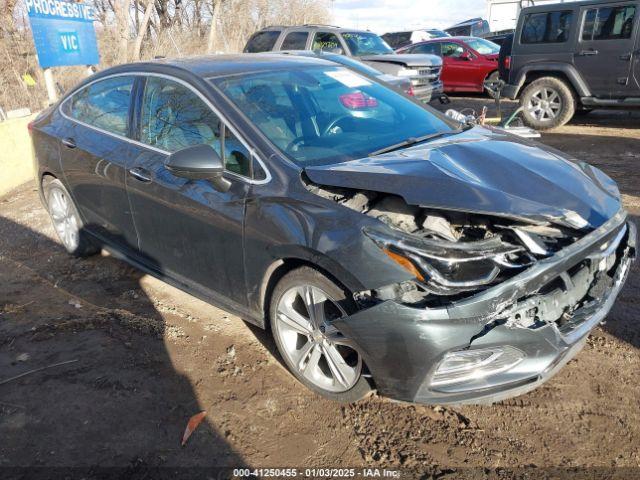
<point x="200" y="162"/>
<point x="465" y="56"/>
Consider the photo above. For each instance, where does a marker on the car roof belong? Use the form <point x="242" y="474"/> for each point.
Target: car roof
<point x="219" y="65"/>
<point x="314" y="26"/>
<point x="416" y="30"/>
<point x="445" y="39"/>
<point x="336" y="58"/>
<point x="567" y="5"/>
<point x="466" y="23"/>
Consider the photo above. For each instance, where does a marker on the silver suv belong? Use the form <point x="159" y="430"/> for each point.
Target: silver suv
<point x="423" y="70"/>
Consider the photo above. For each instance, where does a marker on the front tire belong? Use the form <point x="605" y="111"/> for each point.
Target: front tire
<point x="490" y="83"/>
<point x="547" y="103"/>
<point x="303" y="305"/>
<point x="66" y="220"/>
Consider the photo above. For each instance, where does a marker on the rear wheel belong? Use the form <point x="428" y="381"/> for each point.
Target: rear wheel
<point x="303" y="306"/>
<point x="66" y="220"/>
<point x="547" y="102"/>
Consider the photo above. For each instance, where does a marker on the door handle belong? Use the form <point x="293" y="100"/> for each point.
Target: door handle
<point x="69" y="142"/>
<point x="586" y="53"/>
<point x="141" y="174"/>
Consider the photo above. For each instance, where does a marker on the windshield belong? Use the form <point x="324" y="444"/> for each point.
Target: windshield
<point x="325" y="115"/>
<point x="483" y="47"/>
<point x="438" y="34"/>
<point x="362" y="43"/>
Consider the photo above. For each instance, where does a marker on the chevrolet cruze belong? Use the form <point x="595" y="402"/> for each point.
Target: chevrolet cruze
<point x="383" y="245"/>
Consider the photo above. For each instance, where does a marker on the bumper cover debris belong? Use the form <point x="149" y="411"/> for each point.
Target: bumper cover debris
<point x="546" y="312"/>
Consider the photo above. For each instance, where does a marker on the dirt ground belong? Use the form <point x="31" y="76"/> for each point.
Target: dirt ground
<point x="144" y="357"/>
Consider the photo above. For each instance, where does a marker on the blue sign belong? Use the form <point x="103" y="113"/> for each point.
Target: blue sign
<point x="63" y="33"/>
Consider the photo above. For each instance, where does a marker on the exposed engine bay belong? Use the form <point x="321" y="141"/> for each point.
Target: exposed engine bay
<point x="455" y="255"/>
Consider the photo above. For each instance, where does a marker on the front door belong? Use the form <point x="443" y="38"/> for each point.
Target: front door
<point x="187" y="229"/>
<point x="605" y="51"/>
<point x="457" y="64"/>
<point x="95" y="154"/>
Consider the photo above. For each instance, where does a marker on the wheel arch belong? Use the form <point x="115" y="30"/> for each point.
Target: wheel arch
<point x="46" y="176"/>
<point x="303" y="257"/>
<point x="490" y="72"/>
<point x="44" y="179"/>
<point x="565" y="72"/>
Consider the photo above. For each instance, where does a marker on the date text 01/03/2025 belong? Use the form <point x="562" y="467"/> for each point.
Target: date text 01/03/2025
<point x="316" y="472"/>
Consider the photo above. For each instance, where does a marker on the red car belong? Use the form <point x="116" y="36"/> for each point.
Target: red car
<point x="467" y="61"/>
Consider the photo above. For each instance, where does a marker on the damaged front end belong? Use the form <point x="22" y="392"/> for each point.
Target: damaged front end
<point x="496" y="305"/>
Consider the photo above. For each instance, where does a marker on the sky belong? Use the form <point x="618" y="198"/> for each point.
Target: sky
<point x="382" y="16"/>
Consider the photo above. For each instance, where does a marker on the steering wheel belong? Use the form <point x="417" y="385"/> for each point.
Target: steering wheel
<point x="293" y="144"/>
<point x="334" y="123"/>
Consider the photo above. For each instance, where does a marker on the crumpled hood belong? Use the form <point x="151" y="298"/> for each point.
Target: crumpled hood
<point x="485" y="171"/>
<point x="410" y="60"/>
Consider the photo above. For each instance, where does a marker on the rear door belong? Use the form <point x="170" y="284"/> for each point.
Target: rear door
<point x="96" y="153"/>
<point x="605" y="51"/>
<point x="188" y="230"/>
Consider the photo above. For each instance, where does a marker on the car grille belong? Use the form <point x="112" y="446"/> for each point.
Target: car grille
<point x="426" y="76"/>
<point x="573" y="298"/>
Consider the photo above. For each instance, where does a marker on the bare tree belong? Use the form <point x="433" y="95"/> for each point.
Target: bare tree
<point x="121" y="12"/>
<point x="142" y="30"/>
<point x="214" y="25"/>
<point x="167" y="27"/>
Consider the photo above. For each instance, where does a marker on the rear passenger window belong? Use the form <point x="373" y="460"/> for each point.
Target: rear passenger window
<point x="262" y="41"/>
<point x="550" y="27"/>
<point x="431" y="48"/>
<point x="295" y="41"/>
<point x="174" y="117"/>
<point x="104" y="104"/>
<point x="609" y="23"/>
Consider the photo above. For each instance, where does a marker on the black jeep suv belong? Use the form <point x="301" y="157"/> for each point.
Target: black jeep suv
<point x="573" y="57"/>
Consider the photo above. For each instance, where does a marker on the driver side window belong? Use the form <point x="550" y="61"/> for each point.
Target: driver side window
<point x="452" y="50"/>
<point x="325" y="42"/>
<point x="175" y="117"/>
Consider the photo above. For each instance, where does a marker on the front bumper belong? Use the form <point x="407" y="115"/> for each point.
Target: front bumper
<point x="402" y="345"/>
<point x="510" y="91"/>
<point x="426" y="93"/>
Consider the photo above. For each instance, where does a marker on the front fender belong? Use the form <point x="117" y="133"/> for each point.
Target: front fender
<point x="317" y="231"/>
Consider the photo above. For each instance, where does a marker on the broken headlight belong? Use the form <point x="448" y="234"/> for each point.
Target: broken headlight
<point x="448" y="267"/>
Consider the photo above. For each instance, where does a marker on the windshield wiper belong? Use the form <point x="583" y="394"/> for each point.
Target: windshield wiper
<point x="409" y="142"/>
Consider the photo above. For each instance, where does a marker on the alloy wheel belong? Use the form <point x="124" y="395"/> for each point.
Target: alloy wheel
<point x="545" y="104"/>
<point x="64" y="219"/>
<point x="313" y="346"/>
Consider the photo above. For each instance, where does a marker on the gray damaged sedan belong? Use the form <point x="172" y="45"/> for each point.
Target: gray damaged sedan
<point x="384" y="246"/>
